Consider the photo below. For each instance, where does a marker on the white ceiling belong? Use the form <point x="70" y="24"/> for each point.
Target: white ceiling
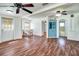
<point x="6" y="6"/>
<point x="40" y="10"/>
<point x="70" y="8"/>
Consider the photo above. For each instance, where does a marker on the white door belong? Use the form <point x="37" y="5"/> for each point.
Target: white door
<point x="7" y="29"/>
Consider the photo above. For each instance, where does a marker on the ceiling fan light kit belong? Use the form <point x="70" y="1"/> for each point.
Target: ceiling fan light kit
<point x="59" y="13"/>
<point x="62" y="12"/>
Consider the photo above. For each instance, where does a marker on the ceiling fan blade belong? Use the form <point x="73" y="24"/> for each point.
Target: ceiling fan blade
<point x="27" y="10"/>
<point x="12" y="6"/>
<point x="64" y="12"/>
<point x="28" y="5"/>
<point x="17" y="10"/>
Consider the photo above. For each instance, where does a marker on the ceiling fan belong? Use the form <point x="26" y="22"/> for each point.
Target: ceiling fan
<point x="64" y="13"/>
<point x="21" y="6"/>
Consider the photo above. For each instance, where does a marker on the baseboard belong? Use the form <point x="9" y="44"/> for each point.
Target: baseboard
<point x="37" y="35"/>
<point x="10" y="40"/>
<point x="73" y="40"/>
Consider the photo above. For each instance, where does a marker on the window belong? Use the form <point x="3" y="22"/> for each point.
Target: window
<point x="62" y="28"/>
<point x="7" y="23"/>
<point x="61" y="24"/>
<point x="50" y="25"/>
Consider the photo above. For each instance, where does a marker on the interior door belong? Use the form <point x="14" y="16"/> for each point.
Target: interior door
<point x="52" y="29"/>
<point x="7" y="29"/>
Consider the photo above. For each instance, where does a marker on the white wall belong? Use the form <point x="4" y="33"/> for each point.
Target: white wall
<point x="0" y="28"/>
<point x="17" y="28"/>
<point x="72" y="26"/>
<point x="36" y="24"/>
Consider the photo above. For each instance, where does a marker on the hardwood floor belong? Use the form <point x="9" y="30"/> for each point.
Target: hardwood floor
<point x="40" y="46"/>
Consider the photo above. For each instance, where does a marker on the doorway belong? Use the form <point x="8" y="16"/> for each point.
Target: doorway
<point x="44" y="28"/>
<point x="62" y="28"/>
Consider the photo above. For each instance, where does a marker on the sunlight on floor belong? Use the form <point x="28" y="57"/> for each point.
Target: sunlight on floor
<point x="61" y="42"/>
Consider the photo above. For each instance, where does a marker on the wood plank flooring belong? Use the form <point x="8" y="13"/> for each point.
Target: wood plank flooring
<point x="40" y="46"/>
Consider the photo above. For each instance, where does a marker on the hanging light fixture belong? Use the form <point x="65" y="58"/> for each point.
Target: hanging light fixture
<point x="58" y="13"/>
